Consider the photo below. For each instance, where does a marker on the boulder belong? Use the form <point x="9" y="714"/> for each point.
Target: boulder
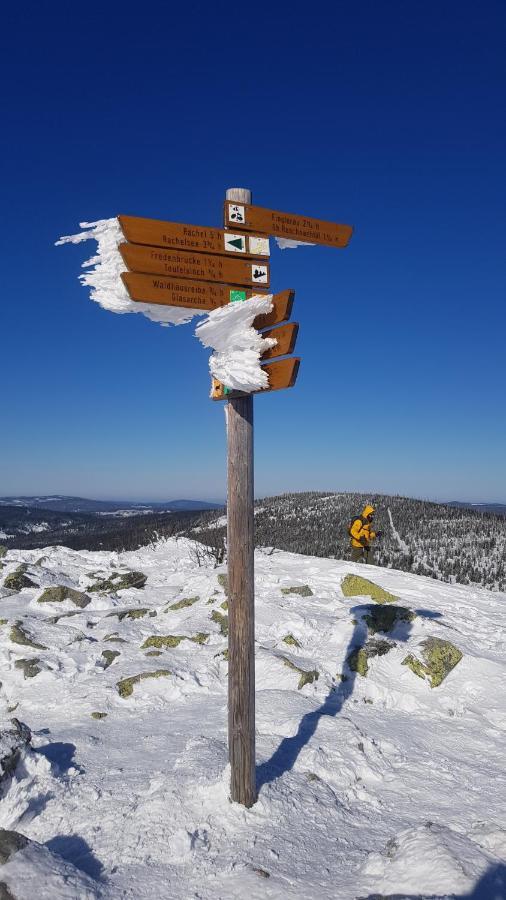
<point x="306" y="677"/>
<point x="164" y="641"/>
<point x="385" y="618"/>
<point x="356" y="586"/>
<point x="220" y="620"/>
<point x="17" y="580"/>
<point x="13" y="740"/>
<point x="58" y="593"/>
<point x="119" y="581"/>
<point x="29" y="667"/>
<point x="439" y="657"/>
<point x="126" y="685"/>
<point x="181" y="604"/>
<point x="109" y="657"/>
<point x="302" y="590"/>
<point x="358" y="659"/>
<point x="18" y="635"/>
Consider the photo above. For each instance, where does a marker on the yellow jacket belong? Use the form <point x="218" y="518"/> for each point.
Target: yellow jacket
<point x="361" y="532"/>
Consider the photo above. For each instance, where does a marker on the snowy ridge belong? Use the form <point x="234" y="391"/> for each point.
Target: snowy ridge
<point x="367" y="785"/>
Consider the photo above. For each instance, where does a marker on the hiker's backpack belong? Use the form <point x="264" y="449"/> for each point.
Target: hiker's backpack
<point x="352" y="522"/>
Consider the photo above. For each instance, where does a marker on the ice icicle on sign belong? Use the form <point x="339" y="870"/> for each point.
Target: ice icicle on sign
<point x="236" y="344"/>
<point x="228" y="331"/>
<point x="104" y="275"/>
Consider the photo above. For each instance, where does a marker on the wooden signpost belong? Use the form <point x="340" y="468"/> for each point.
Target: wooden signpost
<point x="197" y="267"/>
<point x="285" y="225"/>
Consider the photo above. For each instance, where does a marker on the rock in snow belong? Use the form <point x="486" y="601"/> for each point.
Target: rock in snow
<point x="375" y="786"/>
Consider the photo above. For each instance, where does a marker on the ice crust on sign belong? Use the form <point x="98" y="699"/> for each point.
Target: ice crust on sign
<point x="289" y="244"/>
<point x="104" y="275"/>
<point x="236" y="344"/>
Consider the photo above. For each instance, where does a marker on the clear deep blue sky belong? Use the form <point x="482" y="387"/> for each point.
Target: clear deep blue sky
<point x="388" y="116"/>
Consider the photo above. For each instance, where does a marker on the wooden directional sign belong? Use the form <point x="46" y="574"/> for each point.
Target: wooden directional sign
<point x="205" y="266"/>
<point x="181" y="292"/>
<point x="281" y="311"/>
<point x="175" y="236"/>
<point x="286" y="225"/>
<point x="282" y="374"/>
<point x="286" y="336"/>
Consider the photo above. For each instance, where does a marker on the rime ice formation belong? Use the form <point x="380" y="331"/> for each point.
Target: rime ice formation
<point x="104" y="275"/>
<point x="236" y="344"/>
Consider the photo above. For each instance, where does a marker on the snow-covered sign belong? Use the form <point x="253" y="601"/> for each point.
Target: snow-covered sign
<point x="196" y="265"/>
<point x="177" y="236"/>
<point x="293" y="228"/>
<point x="236" y="360"/>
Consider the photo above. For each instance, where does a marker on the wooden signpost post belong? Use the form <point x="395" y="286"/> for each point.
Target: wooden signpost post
<point x="197" y="267"/>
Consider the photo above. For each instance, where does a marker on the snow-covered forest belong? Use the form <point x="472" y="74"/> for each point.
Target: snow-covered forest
<point x="449" y="543"/>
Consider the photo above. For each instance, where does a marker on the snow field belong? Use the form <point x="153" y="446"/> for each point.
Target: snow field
<point x="368" y="785"/>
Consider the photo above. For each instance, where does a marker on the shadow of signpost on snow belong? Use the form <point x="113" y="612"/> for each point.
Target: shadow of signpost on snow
<point x="285" y="756"/>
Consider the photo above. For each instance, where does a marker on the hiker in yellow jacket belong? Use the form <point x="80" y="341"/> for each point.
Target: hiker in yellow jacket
<point x="362" y="535"/>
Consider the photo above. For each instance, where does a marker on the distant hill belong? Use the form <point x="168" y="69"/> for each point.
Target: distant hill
<point x="444" y="541"/>
<point x="59" y="503"/>
<point x="499" y="509"/>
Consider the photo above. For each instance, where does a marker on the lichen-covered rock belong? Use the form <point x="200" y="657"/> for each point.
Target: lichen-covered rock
<point x="220" y="620"/>
<point x="305" y="676"/>
<point x="4" y="621"/>
<point x="98" y="715"/>
<point x="60" y="592"/>
<point x="119" y="581"/>
<point x="29" y="667"/>
<point x="137" y="612"/>
<point x="356" y="586"/>
<point x="164" y="641"/>
<point x="291" y="641"/>
<point x="17" y="580"/>
<point x="114" y="638"/>
<point x="154" y="653"/>
<point x="385" y="618"/>
<point x="126" y="685"/>
<point x="18" y="635"/>
<point x="302" y="590"/>
<point x="109" y="657"/>
<point x="358" y="659"/>
<point x="13" y="741"/>
<point x="223" y="582"/>
<point x="3" y="551"/>
<point x="181" y="604"/>
<point x="439" y="657"/>
<point x="10" y="843"/>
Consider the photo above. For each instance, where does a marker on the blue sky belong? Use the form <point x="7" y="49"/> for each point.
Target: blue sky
<point x="387" y="116"/>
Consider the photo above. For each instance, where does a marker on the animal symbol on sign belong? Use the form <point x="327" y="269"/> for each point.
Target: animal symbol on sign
<point x="236" y="214"/>
<point x="259" y="274"/>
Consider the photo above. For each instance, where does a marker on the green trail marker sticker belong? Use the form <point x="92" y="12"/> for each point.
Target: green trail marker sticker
<point x="237" y="296"/>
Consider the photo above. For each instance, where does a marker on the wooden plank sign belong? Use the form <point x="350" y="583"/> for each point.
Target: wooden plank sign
<point x="285" y="225"/>
<point x="281" y="311"/>
<point x="205" y="266"/>
<point x="181" y="292"/>
<point x="286" y="337"/>
<point x="175" y="236"/>
<point x="282" y="374"/>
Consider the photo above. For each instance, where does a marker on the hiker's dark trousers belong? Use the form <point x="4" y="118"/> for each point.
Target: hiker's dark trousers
<point x="361" y="554"/>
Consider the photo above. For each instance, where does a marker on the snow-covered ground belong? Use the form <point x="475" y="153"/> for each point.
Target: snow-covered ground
<point x="375" y="785"/>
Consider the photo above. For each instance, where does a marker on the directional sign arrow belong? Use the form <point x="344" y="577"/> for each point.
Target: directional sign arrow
<point x="282" y="374"/>
<point x="181" y="292"/>
<point x="185" y="264"/>
<point x="285" y="336"/>
<point x="299" y="228"/>
<point x="281" y="311"/>
<point x="176" y="236"/>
